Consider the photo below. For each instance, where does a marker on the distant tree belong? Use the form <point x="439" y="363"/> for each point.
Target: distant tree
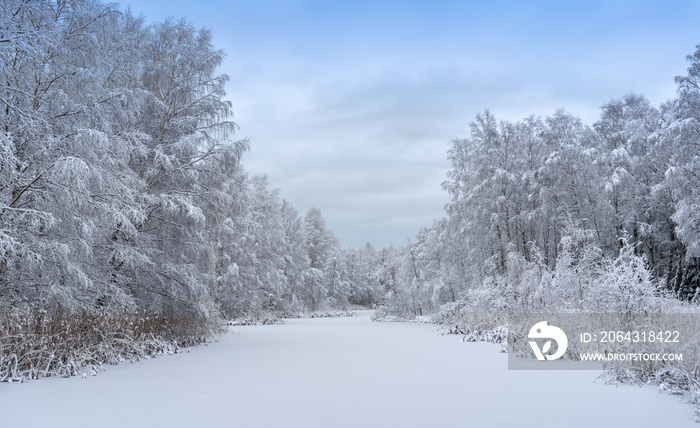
<point x="336" y="281"/>
<point x="320" y="242"/>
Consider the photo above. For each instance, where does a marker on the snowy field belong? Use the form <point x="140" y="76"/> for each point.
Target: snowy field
<point x="342" y="372"/>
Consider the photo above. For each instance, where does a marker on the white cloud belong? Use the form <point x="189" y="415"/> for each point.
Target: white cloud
<point x="352" y="107"/>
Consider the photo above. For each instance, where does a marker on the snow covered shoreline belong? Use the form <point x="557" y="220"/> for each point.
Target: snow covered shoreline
<point x="335" y="372"/>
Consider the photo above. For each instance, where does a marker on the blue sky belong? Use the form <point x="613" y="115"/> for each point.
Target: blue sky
<point x="352" y="106"/>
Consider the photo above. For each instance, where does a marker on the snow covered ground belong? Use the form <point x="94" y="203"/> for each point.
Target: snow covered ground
<point x="340" y="372"/>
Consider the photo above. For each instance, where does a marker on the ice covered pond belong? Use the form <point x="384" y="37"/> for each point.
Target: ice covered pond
<point x="341" y="372"/>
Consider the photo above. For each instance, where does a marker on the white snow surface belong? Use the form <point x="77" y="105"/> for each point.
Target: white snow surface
<point x="337" y="372"/>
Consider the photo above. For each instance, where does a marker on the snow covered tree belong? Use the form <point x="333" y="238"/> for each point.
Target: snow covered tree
<point x="680" y="187"/>
<point x="627" y="126"/>
<point x="336" y="281"/>
<point x="362" y="268"/>
<point x="110" y="128"/>
<point x="319" y="240"/>
<point x="296" y="260"/>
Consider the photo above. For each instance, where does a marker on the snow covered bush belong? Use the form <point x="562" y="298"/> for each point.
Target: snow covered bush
<point x="258" y="316"/>
<point x="625" y="285"/>
<point x="320" y="314"/>
<point x="474" y="323"/>
<point x="388" y="314"/>
<point x="52" y="340"/>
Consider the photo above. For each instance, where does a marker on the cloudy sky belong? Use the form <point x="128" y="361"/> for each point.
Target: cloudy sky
<point x="351" y="106"/>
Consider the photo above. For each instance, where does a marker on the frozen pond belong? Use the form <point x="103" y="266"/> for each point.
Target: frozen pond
<point x="342" y="372"/>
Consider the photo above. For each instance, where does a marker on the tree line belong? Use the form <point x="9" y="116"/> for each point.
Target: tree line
<point x="543" y="208"/>
<point x="122" y="189"/>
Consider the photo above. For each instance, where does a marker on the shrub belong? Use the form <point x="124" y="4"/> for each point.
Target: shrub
<point x="35" y="341"/>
